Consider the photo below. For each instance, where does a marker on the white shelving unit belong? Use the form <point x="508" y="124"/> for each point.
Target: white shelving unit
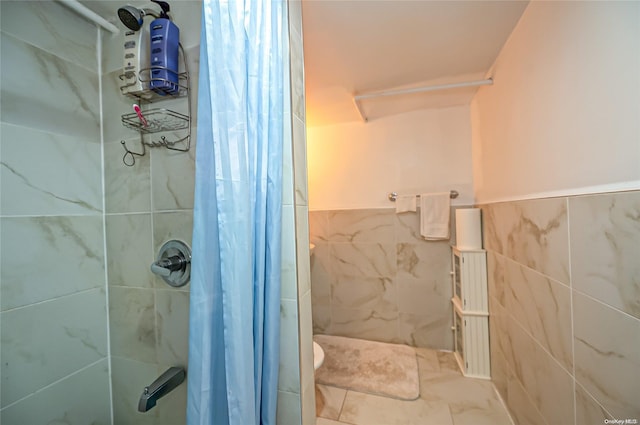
<point x="471" y="312"/>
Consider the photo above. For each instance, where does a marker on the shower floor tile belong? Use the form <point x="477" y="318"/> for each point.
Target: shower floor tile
<point x="446" y="398"/>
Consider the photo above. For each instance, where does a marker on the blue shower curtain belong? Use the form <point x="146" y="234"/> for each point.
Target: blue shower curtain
<point x="235" y="284"/>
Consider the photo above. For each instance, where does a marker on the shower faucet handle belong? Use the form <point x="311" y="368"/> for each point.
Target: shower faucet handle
<point x="173" y="263"/>
<point x="159" y="270"/>
<point x="167" y="265"/>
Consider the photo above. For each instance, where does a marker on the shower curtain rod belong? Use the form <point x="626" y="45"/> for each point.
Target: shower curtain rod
<point x="89" y="14"/>
<point x="358" y="97"/>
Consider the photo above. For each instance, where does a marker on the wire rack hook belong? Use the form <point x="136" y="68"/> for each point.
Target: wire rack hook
<point x="130" y="154"/>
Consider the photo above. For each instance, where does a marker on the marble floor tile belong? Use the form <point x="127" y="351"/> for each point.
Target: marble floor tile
<point x="329" y="401"/>
<point x="323" y="421"/>
<point x="484" y="412"/>
<point x="452" y="388"/>
<point x="427" y="361"/>
<point x="447" y="397"/>
<point x="366" y="409"/>
<point x="448" y="362"/>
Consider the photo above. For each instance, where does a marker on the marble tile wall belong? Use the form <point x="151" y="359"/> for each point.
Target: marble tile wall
<point x="374" y="277"/>
<point x="152" y="202"/>
<point x="144" y="206"/>
<point x="564" y="322"/>
<point x="296" y="386"/>
<point x="147" y="205"/>
<point x="54" y="364"/>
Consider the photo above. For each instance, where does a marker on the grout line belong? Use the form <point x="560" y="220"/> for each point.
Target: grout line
<point x="569" y="287"/>
<point x="571" y="317"/>
<point x="150" y="211"/>
<point x="511" y="372"/>
<point x="104" y="219"/>
<point x="526" y="393"/>
<point x="344" y="401"/>
<point x="128" y="213"/>
<point x="503" y="402"/>
<point x="96" y="214"/>
<point x="535" y="340"/>
<point x="529" y="334"/>
<point x="154" y="287"/>
<point x="82" y="291"/>
<point x="538" y="272"/>
<point x="616" y="309"/>
<point x="578" y="384"/>
<point x="57" y="381"/>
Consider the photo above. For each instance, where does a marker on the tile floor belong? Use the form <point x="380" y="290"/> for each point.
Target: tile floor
<point x="446" y="398"/>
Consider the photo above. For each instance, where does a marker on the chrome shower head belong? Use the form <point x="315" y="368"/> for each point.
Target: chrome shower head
<point x="131" y="17"/>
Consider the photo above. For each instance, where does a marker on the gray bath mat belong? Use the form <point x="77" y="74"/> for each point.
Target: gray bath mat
<point x="390" y="370"/>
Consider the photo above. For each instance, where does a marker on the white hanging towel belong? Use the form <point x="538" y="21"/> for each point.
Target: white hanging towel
<point x="434" y="216"/>
<point x="405" y="203"/>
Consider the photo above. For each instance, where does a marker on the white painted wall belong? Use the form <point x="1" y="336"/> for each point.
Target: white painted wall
<point x="563" y="115"/>
<point x="354" y="165"/>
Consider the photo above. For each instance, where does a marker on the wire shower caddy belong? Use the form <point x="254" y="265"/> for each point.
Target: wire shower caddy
<point x="158" y="119"/>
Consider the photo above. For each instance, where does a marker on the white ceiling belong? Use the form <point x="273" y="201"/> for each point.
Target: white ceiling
<point x="357" y="46"/>
<point x="366" y="45"/>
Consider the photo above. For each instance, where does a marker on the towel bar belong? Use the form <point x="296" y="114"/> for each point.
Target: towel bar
<point x="393" y="195"/>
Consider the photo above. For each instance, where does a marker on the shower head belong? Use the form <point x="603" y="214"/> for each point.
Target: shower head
<point x="132" y="16"/>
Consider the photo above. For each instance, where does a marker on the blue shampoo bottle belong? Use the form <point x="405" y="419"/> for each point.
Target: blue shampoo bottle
<point x="165" y="39"/>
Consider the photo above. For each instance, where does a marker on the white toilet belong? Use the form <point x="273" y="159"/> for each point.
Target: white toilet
<point x="318" y="356"/>
<point x="318" y="353"/>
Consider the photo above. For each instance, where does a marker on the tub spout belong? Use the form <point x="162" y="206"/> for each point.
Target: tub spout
<point x="170" y="379"/>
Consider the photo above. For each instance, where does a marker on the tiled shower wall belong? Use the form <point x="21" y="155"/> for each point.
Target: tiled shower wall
<point x="54" y="303"/>
<point x="564" y="309"/>
<point x="54" y="345"/>
<point x="373" y="277"/>
<point x="147" y="204"/>
<point x="296" y="389"/>
<point x="152" y="202"/>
